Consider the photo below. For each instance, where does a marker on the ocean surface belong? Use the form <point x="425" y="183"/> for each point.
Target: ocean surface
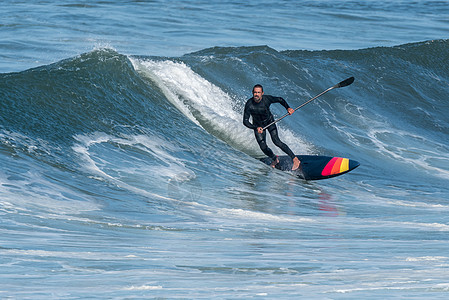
<point x="126" y="171"/>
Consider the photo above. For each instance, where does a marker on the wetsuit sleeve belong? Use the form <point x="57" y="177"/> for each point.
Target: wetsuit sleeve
<point x="279" y="100"/>
<point x="246" y="115"/>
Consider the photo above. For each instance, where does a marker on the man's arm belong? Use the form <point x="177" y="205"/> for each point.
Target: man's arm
<point x="246" y="115"/>
<point x="283" y="103"/>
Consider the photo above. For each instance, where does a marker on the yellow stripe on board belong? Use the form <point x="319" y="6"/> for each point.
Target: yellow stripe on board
<point x="344" y="165"/>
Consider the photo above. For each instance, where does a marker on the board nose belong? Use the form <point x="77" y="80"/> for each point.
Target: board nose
<point x="353" y="164"/>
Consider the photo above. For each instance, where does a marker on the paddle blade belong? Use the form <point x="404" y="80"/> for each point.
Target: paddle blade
<point x="346" y="82"/>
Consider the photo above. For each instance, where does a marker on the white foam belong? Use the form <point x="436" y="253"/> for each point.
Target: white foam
<point x="175" y="170"/>
<point x="15" y="139"/>
<point x="412" y="149"/>
<point x="208" y="106"/>
<point x="428" y="258"/>
<point x="144" y="288"/>
<point x="248" y="215"/>
<point x="398" y="224"/>
<point x="418" y="204"/>
<point x="32" y="254"/>
<point x="154" y="146"/>
<point x="32" y="193"/>
<point x="162" y="166"/>
<point x="385" y="139"/>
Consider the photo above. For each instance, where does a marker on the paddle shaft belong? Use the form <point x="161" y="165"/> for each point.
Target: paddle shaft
<point x="344" y="83"/>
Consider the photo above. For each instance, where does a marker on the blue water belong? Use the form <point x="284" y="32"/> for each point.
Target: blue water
<point x="126" y="172"/>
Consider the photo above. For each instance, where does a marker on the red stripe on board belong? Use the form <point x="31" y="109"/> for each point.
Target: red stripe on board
<point x="328" y="168"/>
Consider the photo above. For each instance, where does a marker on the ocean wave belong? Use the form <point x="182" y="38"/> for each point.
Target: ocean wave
<point x="392" y="112"/>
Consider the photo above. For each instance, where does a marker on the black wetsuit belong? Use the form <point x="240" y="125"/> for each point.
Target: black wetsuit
<point x="262" y="116"/>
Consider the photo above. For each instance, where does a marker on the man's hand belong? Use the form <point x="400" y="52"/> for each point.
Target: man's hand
<point x="259" y="129"/>
<point x="290" y="111"/>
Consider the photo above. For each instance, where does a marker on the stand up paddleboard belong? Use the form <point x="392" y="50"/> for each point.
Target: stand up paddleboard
<point x="315" y="167"/>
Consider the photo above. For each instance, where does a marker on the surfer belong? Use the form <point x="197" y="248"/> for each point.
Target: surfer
<point x="258" y="107"/>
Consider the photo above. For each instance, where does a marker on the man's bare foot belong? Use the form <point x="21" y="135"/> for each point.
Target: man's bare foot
<point x="296" y="163"/>
<point x="275" y="162"/>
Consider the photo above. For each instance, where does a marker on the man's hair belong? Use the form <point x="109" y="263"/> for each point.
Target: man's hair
<point x="258" y="86"/>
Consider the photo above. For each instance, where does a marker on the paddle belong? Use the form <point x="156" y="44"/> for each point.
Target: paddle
<point x="344" y="83"/>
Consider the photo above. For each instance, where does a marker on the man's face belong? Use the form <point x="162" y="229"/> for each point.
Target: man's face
<point x="257" y="94"/>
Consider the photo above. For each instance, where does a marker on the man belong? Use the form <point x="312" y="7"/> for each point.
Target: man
<point x="258" y="107"/>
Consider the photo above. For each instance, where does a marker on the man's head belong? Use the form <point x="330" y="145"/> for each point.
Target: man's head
<point x="257" y="92"/>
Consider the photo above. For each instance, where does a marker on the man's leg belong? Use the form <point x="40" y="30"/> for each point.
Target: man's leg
<point x="261" y="139"/>
<point x="277" y="141"/>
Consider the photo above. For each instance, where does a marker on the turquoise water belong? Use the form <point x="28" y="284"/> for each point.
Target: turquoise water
<point x="126" y="172"/>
